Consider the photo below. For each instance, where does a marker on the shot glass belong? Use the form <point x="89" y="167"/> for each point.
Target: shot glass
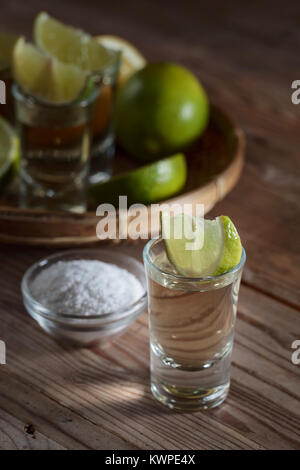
<point x="55" y="151"/>
<point x="191" y="323"/>
<point x="103" y="143"/>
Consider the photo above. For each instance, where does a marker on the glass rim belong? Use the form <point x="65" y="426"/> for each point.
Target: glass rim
<point x="24" y="97"/>
<point x="178" y="277"/>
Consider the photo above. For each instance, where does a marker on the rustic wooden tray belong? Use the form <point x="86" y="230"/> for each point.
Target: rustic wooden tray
<point x="214" y="163"/>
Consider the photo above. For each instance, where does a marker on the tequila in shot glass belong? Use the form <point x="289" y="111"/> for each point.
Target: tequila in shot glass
<point x="103" y="142"/>
<point x="191" y="322"/>
<point x="55" y="151"/>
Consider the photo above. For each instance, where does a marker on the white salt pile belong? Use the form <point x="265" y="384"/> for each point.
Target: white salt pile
<point x="85" y="287"/>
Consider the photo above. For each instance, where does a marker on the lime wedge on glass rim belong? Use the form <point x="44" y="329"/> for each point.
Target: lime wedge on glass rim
<point x="9" y="153"/>
<point x="69" y="45"/>
<point x="45" y="77"/>
<point x="200" y="247"/>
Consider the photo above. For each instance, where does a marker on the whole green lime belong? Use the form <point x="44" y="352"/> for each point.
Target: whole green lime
<point x="160" y="110"/>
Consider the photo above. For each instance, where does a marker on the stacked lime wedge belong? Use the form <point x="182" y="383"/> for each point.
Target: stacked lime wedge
<point x="69" y="45"/>
<point x="45" y="77"/>
<point x="57" y="68"/>
<point x="201" y="247"/>
<point x="9" y="153"/>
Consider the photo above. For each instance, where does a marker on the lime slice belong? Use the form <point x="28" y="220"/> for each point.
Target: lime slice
<point x="9" y="153"/>
<point x="132" y="59"/>
<point x="44" y="77"/>
<point x="7" y="43"/>
<point x="68" y="44"/>
<point x="147" y="184"/>
<point x="200" y="247"/>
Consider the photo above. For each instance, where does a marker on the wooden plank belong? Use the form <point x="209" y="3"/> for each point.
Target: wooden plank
<point x="59" y="423"/>
<point x="15" y="435"/>
<point x="99" y="390"/>
<point x="110" y="388"/>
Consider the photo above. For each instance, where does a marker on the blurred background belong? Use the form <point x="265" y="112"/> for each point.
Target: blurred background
<point x="245" y="53"/>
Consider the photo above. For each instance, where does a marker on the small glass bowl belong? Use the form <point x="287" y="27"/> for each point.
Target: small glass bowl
<point x="85" y="331"/>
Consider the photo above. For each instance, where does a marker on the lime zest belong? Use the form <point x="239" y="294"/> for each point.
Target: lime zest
<point x="232" y="251"/>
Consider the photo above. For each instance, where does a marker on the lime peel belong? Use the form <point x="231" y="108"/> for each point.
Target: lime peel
<point x="232" y="249"/>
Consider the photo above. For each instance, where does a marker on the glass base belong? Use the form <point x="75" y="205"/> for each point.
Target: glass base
<point x="185" y="399"/>
<point x="190" y="387"/>
<point x="101" y="163"/>
<point x="37" y="197"/>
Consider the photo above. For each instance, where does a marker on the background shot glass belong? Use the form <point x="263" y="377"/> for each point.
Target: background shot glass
<point x="191" y="322"/>
<point x="103" y="143"/>
<point x="55" y="151"/>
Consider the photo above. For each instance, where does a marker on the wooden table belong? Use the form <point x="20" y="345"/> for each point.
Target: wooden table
<point x="54" y="398"/>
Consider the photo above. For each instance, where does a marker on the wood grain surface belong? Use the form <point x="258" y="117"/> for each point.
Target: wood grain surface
<point x="247" y="55"/>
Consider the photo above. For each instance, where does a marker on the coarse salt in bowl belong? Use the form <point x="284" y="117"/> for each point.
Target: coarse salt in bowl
<point x="85" y="297"/>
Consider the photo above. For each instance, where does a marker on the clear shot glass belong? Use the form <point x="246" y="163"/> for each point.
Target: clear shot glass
<point x="103" y="144"/>
<point x="55" y="151"/>
<point x="191" y="322"/>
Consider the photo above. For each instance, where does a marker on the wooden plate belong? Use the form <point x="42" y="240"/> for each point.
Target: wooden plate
<point x="214" y="163"/>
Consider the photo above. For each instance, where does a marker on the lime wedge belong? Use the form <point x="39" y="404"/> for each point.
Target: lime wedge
<point x="146" y="184"/>
<point x="9" y="153"/>
<point x="7" y="43"/>
<point x="44" y="77"/>
<point x="200" y="247"/>
<point x="68" y="44"/>
<point x="132" y="59"/>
